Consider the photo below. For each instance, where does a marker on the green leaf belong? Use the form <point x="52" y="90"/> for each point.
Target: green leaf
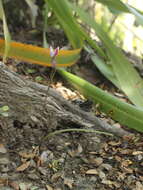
<point x="121" y="7"/>
<point x="5" y="108"/>
<point x="38" y="78"/>
<point x="104" y="68"/>
<point x="6" y="31"/>
<point x="31" y="71"/>
<point x="40" y="56"/>
<point x="117" y="5"/>
<point x="127" y="77"/>
<point x="45" y="25"/>
<point x="4" y="111"/>
<point x="64" y="15"/>
<point x="74" y="32"/>
<point x="126" y="114"/>
<point x="93" y="44"/>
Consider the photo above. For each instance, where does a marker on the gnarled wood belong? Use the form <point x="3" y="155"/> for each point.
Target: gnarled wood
<point x="30" y="103"/>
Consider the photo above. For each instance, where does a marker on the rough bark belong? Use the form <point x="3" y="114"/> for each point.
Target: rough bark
<point x="30" y="103"/>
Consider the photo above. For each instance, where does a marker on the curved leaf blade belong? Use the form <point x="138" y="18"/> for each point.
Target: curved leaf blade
<point x="126" y="114"/>
<point x="127" y="77"/>
<point x="40" y="56"/>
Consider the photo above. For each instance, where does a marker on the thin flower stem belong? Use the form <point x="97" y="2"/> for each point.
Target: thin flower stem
<point x="51" y="75"/>
<point x="51" y="78"/>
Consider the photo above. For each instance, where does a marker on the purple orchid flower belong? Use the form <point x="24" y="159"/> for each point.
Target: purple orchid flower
<point x="53" y="54"/>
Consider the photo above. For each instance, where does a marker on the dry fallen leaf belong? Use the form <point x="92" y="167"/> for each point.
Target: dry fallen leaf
<point x="23" y="186"/>
<point x="27" y="155"/>
<point x="126" y="151"/>
<point x="107" y="182"/>
<point x="139" y="185"/>
<point x="126" y="163"/>
<point x="23" y="167"/>
<point x="102" y="175"/>
<point x="92" y="171"/>
<point x="67" y="93"/>
<point x="14" y="185"/>
<point x="68" y="182"/>
<point x="97" y="161"/>
<point x="42" y="159"/>
<point x="76" y="152"/>
<point x="106" y="166"/>
<point x="56" y="176"/>
<point x="3" y="181"/>
<point x="2" y="149"/>
<point x="114" y="143"/>
<point x="49" y="187"/>
<point x="137" y="152"/>
<point x="118" y="158"/>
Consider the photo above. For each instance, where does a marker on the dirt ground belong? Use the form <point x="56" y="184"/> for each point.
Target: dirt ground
<point x="67" y="161"/>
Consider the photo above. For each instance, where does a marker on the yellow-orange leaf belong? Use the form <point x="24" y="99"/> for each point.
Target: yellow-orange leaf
<point x="39" y="55"/>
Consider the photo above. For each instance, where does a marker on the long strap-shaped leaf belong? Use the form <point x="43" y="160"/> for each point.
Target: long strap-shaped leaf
<point x="126" y="114"/>
<point x="38" y="55"/>
<point x="128" y="79"/>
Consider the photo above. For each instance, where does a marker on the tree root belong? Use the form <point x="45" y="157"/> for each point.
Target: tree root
<point x="29" y="102"/>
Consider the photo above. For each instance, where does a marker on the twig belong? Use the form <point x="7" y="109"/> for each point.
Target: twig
<point x="76" y="130"/>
